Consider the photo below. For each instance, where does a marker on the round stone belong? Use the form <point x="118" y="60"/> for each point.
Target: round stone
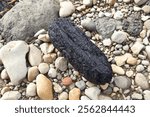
<point x="107" y="42"/>
<point x="43" y="68"/>
<point x="147" y="24"/>
<point x="146" y="94"/>
<point x="63" y="96"/>
<point x="117" y="69"/>
<point x="146" y="9"/>
<point x="11" y="95"/>
<point x="118" y="15"/>
<point x="88" y="3"/>
<point x="122" y="82"/>
<point x="139" y="68"/>
<point x="47" y="58"/>
<point x="67" y="81"/>
<point x="132" y="61"/>
<point x="88" y="24"/>
<point x="31" y="90"/>
<point x="4" y="74"/>
<point x="57" y="88"/>
<point x="52" y="73"/>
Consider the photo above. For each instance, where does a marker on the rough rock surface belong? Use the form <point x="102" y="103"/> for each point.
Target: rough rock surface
<point x="80" y="51"/>
<point x="20" y="23"/>
<point x="106" y="26"/>
<point x="133" y="25"/>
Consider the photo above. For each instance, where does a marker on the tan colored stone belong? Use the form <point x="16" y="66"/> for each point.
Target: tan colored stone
<point x="44" y="87"/>
<point x="74" y="94"/>
<point x="48" y="58"/>
<point x="105" y="86"/>
<point x="118" y="70"/>
<point x="132" y="61"/>
<point x="4" y="90"/>
<point x="44" y="37"/>
<point x="32" y="73"/>
<point x="67" y="81"/>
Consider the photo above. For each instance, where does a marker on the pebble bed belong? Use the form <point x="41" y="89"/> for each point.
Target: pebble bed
<point x="120" y="28"/>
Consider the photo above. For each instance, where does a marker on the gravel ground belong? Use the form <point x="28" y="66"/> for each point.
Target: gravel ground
<point x="120" y="28"/>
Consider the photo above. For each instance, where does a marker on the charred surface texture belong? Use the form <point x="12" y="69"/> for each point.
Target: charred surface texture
<point x="80" y="51"/>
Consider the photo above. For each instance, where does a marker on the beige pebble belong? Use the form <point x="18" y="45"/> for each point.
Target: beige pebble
<point x="32" y="73"/>
<point x="63" y="96"/>
<point x="66" y="81"/>
<point x="117" y="69"/>
<point x="74" y="94"/>
<point x="105" y="86"/>
<point x="43" y="68"/>
<point x="44" y="87"/>
<point x="48" y="58"/>
<point x="132" y="61"/>
<point x="44" y="37"/>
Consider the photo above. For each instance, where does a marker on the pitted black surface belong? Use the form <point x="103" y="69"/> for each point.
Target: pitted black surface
<point x="84" y="56"/>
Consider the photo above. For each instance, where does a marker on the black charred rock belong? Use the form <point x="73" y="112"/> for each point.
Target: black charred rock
<point x="80" y="51"/>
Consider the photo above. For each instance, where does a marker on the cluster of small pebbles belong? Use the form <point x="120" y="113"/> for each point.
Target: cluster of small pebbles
<point x="120" y="28"/>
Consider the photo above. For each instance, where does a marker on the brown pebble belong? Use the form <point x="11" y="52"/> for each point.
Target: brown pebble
<point x="48" y="58"/>
<point x="67" y="81"/>
<point x="32" y="73"/>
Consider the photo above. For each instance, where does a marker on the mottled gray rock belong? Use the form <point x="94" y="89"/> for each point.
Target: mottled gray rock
<point x="88" y="24"/>
<point x="19" y="23"/>
<point x="13" y="56"/>
<point x="122" y="82"/>
<point x="106" y="26"/>
<point x="80" y="84"/>
<point x="119" y="36"/>
<point x="133" y="24"/>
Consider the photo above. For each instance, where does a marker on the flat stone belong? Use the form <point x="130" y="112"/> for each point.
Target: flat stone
<point x="118" y="70"/>
<point x="61" y="63"/>
<point x="141" y="81"/>
<point x="119" y="37"/>
<point x="11" y="95"/>
<point x="34" y="56"/>
<point x="13" y="56"/>
<point x="74" y="94"/>
<point x="44" y="12"/>
<point x="43" y="68"/>
<point x="122" y="82"/>
<point x="44" y="87"/>
<point x="120" y="60"/>
<point x="31" y="90"/>
<point x="93" y="93"/>
<point x="63" y="96"/>
<point x="137" y="47"/>
<point x="66" y="8"/>
<point x="32" y="73"/>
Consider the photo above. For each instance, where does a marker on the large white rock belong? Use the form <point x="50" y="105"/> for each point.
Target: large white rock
<point x="13" y="57"/>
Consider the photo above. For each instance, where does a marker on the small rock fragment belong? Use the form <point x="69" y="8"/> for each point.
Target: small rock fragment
<point x="31" y="90"/>
<point x="74" y="94"/>
<point x="61" y="63"/>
